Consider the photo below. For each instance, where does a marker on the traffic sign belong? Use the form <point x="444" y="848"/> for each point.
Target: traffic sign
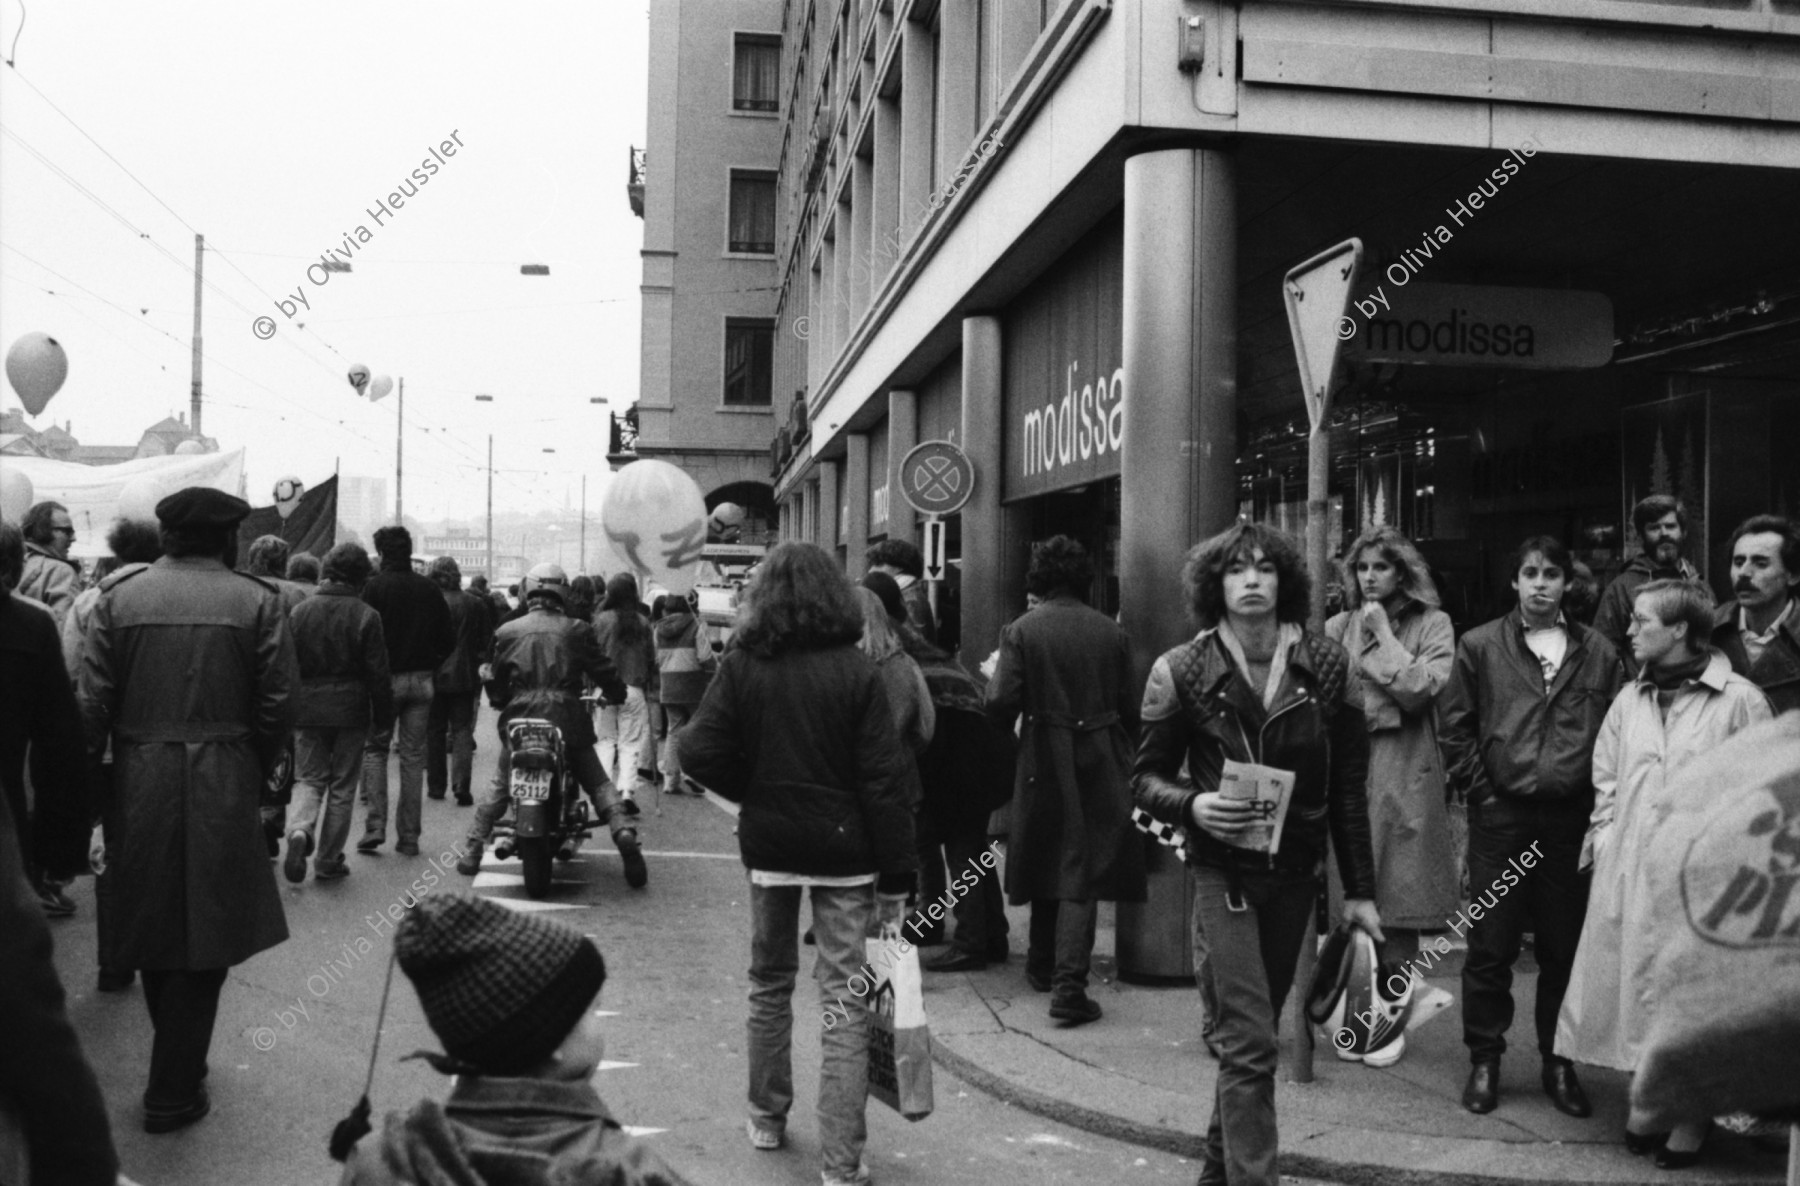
<point x="1317" y="294"/>
<point x="936" y="478"/>
<point x="934" y="549"/>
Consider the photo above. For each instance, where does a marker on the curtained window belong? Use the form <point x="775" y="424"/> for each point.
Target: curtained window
<point x="752" y="229"/>
<point x="749" y="361"/>
<point x="756" y="66"/>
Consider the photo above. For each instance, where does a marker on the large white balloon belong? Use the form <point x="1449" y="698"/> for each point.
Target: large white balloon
<point x="187" y="448"/>
<point x="36" y="367"/>
<point x="15" y="494"/>
<point x="139" y="498"/>
<point x="359" y="377"/>
<point x="726" y="522"/>
<point x="654" y="517"/>
<point x="379" y="386"/>
<point x="287" y="495"/>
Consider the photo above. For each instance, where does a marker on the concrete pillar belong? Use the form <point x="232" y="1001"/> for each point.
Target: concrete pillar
<point x="809" y="507"/>
<point x="884" y="229"/>
<point x="903" y="434"/>
<point x="830" y="503"/>
<point x="918" y="85"/>
<point x="843" y="257"/>
<point x="994" y="539"/>
<point x="1180" y="350"/>
<point x="862" y="223"/>
<point x="856" y="494"/>
<point x="959" y="69"/>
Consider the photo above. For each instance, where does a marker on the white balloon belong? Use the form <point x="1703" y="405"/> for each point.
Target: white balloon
<point x="726" y="520"/>
<point x="287" y="495"/>
<point x="15" y="495"/>
<point x="379" y="386"/>
<point x="188" y="448"/>
<point x="36" y="367"/>
<point x="654" y="517"/>
<point x="139" y="498"/>
<point x="359" y="378"/>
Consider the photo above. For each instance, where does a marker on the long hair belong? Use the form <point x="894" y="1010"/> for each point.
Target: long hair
<point x="1203" y="576"/>
<point x="879" y="640"/>
<point x="135" y="541"/>
<point x="800" y="600"/>
<point x="622" y="599"/>
<point x="1403" y="554"/>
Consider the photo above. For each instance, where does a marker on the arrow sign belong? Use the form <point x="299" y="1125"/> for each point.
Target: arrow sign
<point x="934" y="549"/>
<point x="1317" y="294"/>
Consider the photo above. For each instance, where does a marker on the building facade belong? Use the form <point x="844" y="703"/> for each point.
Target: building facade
<point x="705" y="186"/>
<point x="363" y="505"/>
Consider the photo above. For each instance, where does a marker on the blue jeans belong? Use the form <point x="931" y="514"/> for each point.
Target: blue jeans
<point x="412" y="713"/>
<point x="841" y="918"/>
<point x="327" y="762"/>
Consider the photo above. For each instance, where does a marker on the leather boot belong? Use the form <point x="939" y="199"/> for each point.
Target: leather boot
<point x="1483" y="1091"/>
<point x="1564" y="1089"/>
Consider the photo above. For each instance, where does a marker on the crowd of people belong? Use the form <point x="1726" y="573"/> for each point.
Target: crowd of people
<point x="867" y="759"/>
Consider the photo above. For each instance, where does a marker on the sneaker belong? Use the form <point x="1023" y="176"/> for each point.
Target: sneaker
<point x="861" y="1177"/>
<point x="469" y="864"/>
<point x="293" y="867"/>
<point x="766" y="1139"/>
<point x="1078" y="1010"/>
<point x="635" y="872"/>
<point x="56" y="903"/>
<point x="334" y="871"/>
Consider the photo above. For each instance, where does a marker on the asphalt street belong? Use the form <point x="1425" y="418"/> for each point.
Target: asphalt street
<point x="296" y="1024"/>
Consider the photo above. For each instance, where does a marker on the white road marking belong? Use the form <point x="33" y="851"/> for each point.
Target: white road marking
<point x="514" y="881"/>
<point x="704" y="856"/>
<point x="607" y="1064"/>
<point x="632" y="1130"/>
<point x="527" y="906"/>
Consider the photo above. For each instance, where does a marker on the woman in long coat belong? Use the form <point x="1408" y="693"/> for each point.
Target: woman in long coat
<point x="1401" y="647"/>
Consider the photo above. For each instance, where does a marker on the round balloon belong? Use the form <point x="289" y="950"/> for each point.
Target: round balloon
<point x="36" y="367"/>
<point x="379" y="386"/>
<point x="359" y="378"/>
<point x="726" y="521"/>
<point x="15" y="494"/>
<point x="139" y="498"/>
<point x="287" y="495"/>
<point x="655" y="522"/>
<point x="187" y="448"/>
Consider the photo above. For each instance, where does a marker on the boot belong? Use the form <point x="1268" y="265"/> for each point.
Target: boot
<point x="636" y="875"/>
<point x="469" y="864"/>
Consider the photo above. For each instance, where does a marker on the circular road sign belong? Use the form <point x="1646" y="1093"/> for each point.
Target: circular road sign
<point x="936" y="478"/>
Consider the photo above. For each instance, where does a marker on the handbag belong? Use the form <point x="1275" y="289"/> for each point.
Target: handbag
<point x="899" y="1038"/>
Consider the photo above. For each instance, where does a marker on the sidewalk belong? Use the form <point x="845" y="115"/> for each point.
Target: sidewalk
<point x="1141" y="1074"/>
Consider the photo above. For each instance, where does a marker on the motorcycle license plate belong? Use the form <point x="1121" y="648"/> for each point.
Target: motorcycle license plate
<point x="531" y="784"/>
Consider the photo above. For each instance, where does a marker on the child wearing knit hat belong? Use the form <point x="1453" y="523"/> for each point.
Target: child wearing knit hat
<point x="510" y="996"/>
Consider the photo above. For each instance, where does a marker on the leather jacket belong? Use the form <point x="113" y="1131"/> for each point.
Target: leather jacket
<point x="540" y="663"/>
<point x="1199" y="708"/>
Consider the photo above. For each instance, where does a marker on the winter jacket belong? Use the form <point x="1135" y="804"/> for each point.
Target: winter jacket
<point x="342" y="652"/>
<point x="38" y="714"/>
<point x="1504" y="733"/>
<point x="506" y="1132"/>
<point x="1613" y="619"/>
<point x="471" y="626"/>
<point x="634" y="660"/>
<point x="540" y="664"/>
<point x="805" y="740"/>
<point x="1199" y="708"/>
<point x="1777" y="673"/>
<point x="917" y="597"/>
<point x="413" y="617"/>
<point x="681" y="674"/>
<point x="47" y="579"/>
<point x="914" y="717"/>
<point x="967" y="770"/>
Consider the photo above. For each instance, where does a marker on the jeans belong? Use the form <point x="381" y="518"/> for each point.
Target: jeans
<point x="586" y="767"/>
<point x="675" y="717"/>
<point x="183" y="1006"/>
<point x="1552" y="895"/>
<point x="841" y="917"/>
<point x="412" y="712"/>
<point x="622" y="728"/>
<point x="452" y="714"/>
<point x="1251" y="958"/>
<point x="1062" y="940"/>
<point x="327" y="761"/>
<point x="1209" y="997"/>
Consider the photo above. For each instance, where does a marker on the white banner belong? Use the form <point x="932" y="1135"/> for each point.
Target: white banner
<point x="94" y="493"/>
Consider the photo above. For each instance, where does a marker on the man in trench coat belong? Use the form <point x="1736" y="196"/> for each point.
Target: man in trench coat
<point x="1066" y="668"/>
<point x="189" y="667"/>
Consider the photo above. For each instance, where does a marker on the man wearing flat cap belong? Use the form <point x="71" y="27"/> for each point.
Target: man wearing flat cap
<point x="190" y="670"/>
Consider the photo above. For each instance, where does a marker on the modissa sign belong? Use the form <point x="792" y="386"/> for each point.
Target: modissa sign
<point x="1472" y="325"/>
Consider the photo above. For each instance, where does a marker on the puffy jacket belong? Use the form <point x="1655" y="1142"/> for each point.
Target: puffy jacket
<point x="471" y="624"/>
<point x="540" y="663"/>
<point x="342" y="651"/>
<point x="678" y="659"/>
<point x="1504" y="733"/>
<point x="1198" y="708"/>
<point x="413" y="617"/>
<point x="805" y="740"/>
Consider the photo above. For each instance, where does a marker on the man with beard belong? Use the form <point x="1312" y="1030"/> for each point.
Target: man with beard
<point x="1760" y="634"/>
<point x="1661" y="524"/>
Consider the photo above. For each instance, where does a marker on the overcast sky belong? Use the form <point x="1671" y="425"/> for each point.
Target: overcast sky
<point x="273" y="130"/>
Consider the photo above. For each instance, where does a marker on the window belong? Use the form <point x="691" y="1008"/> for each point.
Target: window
<point x="749" y="361"/>
<point x="755" y="68"/>
<point x="752" y="229"/>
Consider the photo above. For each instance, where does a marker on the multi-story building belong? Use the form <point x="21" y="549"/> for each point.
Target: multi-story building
<point x="363" y="505"/>
<point x="705" y="187"/>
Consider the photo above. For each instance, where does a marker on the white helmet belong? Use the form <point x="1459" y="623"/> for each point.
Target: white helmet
<point x="1362" y="1004"/>
<point x="547" y="578"/>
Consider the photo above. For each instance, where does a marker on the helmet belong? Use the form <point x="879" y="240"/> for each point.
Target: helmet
<point x="1355" y="998"/>
<point x="547" y="579"/>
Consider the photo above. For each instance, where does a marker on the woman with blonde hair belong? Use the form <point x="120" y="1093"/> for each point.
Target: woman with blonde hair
<point x="1401" y="646"/>
<point x="908" y="695"/>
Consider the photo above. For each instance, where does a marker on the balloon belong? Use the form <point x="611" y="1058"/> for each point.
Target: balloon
<point x="139" y="498"/>
<point x="359" y="378"/>
<point x="287" y="495"/>
<point x="380" y="386"/>
<point x="15" y="495"/>
<point x="187" y="448"/>
<point x="36" y="367"/>
<point x="655" y="519"/>
<point x="726" y="519"/>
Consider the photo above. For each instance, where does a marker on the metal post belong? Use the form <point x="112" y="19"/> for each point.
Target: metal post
<point x="1318" y="509"/>
<point x="490" y="511"/>
<point x="399" y="449"/>
<point x="199" y="266"/>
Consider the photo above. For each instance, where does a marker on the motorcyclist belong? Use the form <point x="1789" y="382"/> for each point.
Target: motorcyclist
<point x="540" y="660"/>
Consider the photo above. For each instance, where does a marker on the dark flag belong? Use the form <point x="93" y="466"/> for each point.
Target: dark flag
<point x="311" y="528"/>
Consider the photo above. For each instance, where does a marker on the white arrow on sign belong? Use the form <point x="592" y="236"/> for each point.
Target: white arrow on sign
<point x="1317" y="294"/>
<point x="934" y="549"/>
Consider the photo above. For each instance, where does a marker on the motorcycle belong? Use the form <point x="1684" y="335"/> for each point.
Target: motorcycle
<point x="550" y="817"/>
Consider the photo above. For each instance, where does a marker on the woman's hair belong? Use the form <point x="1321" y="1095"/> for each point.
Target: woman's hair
<point x="347" y="564"/>
<point x="800" y="599"/>
<point x="1059" y="564"/>
<point x="1683" y="601"/>
<point x="135" y="541"/>
<point x="303" y="566"/>
<point x="1403" y="554"/>
<point x="622" y="598"/>
<point x="878" y="637"/>
<point x="1203" y="576"/>
<point x="268" y="556"/>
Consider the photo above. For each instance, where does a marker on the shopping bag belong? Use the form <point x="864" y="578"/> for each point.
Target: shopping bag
<point x="899" y="1039"/>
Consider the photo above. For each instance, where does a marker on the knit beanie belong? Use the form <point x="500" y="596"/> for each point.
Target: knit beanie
<point x="888" y="589"/>
<point x="500" y="989"/>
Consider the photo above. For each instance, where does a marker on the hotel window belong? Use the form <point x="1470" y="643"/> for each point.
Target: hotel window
<point x="756" y="66"/>
<point x="749" y="361"/>
<point x="752" y="230"/>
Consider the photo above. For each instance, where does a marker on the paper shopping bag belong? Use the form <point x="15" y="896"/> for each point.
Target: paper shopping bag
<point x="899" y="1039"/>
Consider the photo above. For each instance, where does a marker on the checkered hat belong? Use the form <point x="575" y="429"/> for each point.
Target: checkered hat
<point x="500" y="989"/>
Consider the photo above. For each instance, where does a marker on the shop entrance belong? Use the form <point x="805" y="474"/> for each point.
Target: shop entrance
<point x="1089" y="515"/>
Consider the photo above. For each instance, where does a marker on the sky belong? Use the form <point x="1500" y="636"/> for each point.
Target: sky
<point x="274" y="130"/>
